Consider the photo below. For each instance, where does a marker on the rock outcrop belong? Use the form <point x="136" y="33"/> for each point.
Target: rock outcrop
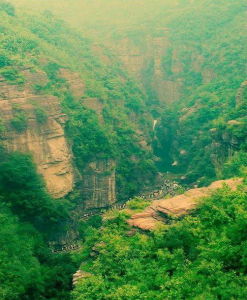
<point x="176" y="206"/>
<point x="98" y="184"/>
<point x="147" y="57"/>
<point x="227" y="141"/>
<point x="76" y="85"/>
<point x="44" y="141"/>
<point x="79" y="275"/>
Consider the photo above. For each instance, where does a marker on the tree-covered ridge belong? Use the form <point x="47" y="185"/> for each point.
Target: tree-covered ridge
<point x="202" y="256"/>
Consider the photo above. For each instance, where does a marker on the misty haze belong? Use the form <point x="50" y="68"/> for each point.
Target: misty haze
<point x="123" y="149"/>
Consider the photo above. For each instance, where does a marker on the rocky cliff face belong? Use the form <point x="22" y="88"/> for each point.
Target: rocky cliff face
<point x="158" y="57"/>
<point x="76" y="85"/>
<point x="98" y="184"/>
<point x="139" y="59"/>
<point x="44" y="141"/>
<point x="227" y="141"/>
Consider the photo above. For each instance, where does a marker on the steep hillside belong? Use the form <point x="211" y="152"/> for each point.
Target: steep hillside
<point x="200" y="256"/>
<point x="29" y="218"/>
<point x="104" y="100"/>
<point x="189" y="58"/>
<point x="72" y="107"/>
<point x="207" y="126"/>
<point x="69" y="113"/>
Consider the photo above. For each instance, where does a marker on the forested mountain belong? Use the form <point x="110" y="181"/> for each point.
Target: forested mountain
<point x="190" y="57"/>
<point x="101" y="101"/>
<point x="45" y="44"/>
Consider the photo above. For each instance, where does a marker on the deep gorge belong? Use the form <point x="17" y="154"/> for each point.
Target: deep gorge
<point x="97" y="110"/>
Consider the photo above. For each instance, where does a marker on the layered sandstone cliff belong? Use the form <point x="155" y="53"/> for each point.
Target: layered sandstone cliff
<point x="44" y="141"/>
<point x="47" y="143"/>
<point x="97" y="181"/>
<point x="98" y="184"/>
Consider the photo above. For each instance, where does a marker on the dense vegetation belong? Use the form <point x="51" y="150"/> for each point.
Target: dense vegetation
<point x="28" y="217"/>
<point x="30" y="40"/>
<point x="207" y="45"/>
<point x="199" y="138"/>
<point x="209" y="121"/>
<point x="202" y="256"/>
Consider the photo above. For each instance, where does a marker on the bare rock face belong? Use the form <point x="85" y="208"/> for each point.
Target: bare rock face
<point x="95" y="105"/>
<point x="137" y="60"/>
<point x="176" y="206"/>
<point x="80" y="275"/>
<point x="98" y="184"/>
<point x="97" y="180"/>
<point x="76" y="85"/>
<point x="44" y="141"/>
<point x="148" y="56"/>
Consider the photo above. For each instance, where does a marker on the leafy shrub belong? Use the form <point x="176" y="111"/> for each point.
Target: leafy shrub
<point x="86" y="227"/>
<point x="4" y="61"/>
<point x="52" y="70"/>
<point x="12" y="75"/>
<point x="233" y="167"/>
<point x="8" y="8"/>
<point x="19" y="122"/>
<point x="2" y="127"/>
<point x="201" y="256"/>
<point x="41" y="115"/>
<point x="138" y="204"/>
<point x="20" y="45"/>
<point x="19" y="269"/>
<point x="82" y="126"/>
<point x="28" y="215"/>
<point x="23" y="189"/>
